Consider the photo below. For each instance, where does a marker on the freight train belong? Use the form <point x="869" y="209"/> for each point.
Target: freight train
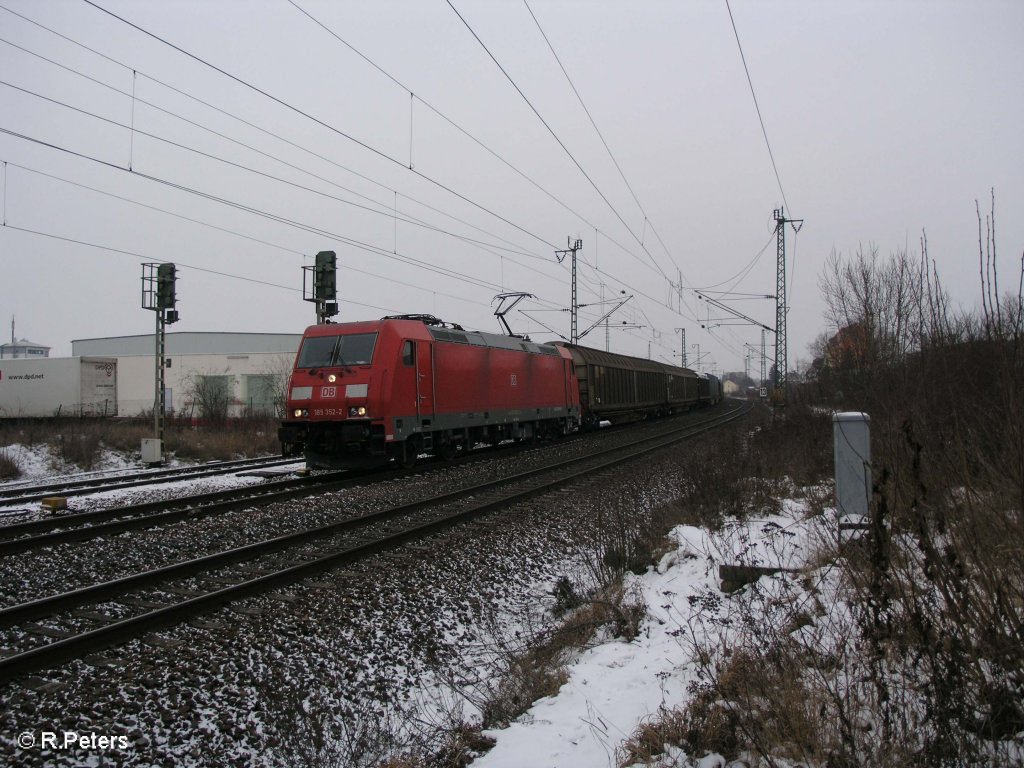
<point x="364" y="393"/>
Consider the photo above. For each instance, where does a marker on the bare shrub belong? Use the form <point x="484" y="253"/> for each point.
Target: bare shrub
<point x="79" y="447"/>
<point x="9" y="468"/>
<point x="667" y="726"/>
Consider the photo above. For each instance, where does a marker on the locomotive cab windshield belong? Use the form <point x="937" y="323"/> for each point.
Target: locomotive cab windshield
<point x="336" y="351"/>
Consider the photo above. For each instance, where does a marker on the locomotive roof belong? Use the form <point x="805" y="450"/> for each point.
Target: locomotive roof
<point x="440" y="331"/>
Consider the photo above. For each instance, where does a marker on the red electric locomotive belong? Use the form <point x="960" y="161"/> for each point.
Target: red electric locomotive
<point x="365" y="392"/>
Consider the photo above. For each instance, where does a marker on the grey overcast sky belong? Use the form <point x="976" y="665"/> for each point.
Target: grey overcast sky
<point x="237" y="139"/>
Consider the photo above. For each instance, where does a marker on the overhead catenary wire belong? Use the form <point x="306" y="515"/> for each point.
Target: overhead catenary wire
<point x="265" y="214"/>
<point x="593" y="123"/>
<point x="418" y="98"/>
<point x="244" y="122"/>
<point x="383" y="211"/>
<point x="143" y="258"/>
<point x="334" y="129"/>
<point x="757" y="106"/>
<point x="374" y="249"/>
<point x="405" y="88"/>
<point x="386" y="213"/>
<point x="316" y="120"/>
<point x="235" y="233"/>
<point x="556" y="137"/>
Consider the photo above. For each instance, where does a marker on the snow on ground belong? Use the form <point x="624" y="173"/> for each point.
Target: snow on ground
<point x="38" y="463"/>
<point x="614" y="687"/>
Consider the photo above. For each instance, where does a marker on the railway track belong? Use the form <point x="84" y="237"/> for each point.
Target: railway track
<point x="27" y="494"/>
<point x="81" y="526"/>
<point x="108" y="614"/>
<point x="48" y="531"/>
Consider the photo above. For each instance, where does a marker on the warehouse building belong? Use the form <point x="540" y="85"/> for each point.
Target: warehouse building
<point x="206" y="374"/>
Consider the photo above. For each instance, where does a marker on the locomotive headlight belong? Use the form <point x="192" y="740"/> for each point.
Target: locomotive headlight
<point x="301" y="412"/>
<point x="359" y="410"/>
<point x="332" y="378"/>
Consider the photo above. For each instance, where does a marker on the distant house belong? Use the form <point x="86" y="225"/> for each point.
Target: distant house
<point x="23" y="348"/>
<point x="848" y="346"/>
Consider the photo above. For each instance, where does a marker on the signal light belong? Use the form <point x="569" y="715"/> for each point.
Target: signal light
<point x="165" y="279"/>
<point x="325" y="277"/>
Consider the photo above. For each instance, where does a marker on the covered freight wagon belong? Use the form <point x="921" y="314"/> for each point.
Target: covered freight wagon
<point x="58" y="386"/>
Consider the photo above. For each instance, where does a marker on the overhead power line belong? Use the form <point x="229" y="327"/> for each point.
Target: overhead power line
<point x="318" y="121"/>
<point x="370" y="248"/>
<point x="380" y="209"/>
<point x="178" y="263"/>
<point x="318" y="231"/>
<point x="556" y="138"/>
<point x="757" y="107"/>
<point x="600" y="135"/>
<point x="226" y="230"/>
<point x="515" y="169"/>
<point x="261" y="129"/>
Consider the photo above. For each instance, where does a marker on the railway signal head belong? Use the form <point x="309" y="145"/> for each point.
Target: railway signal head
<point x="325" y="277"/>
<point x="165" y="280"/>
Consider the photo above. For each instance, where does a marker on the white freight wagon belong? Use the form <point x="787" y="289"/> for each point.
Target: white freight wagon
<point x="58" y="386"/>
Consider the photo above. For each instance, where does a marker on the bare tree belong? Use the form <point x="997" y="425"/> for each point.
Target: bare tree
<point x="209" y="395"/>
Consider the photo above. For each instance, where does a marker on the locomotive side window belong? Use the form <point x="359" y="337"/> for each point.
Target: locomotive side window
<point x="317" y="352"/>
<point x="356" y="349"/>
<point x="408" y="353"/>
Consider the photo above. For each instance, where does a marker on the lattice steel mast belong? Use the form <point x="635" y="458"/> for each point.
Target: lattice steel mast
<point x="781" y="356"/>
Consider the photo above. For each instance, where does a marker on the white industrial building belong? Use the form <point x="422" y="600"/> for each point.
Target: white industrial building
<point x="22" y="348"/>
<point x="249" y="370"/>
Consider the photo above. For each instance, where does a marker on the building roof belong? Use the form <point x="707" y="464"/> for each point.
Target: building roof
<point x="23" y="343"/>
<point x="189" y="343"/>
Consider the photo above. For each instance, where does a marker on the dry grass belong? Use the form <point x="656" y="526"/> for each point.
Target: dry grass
<point x="80" y="442"/>
<point x="235" y="439"/>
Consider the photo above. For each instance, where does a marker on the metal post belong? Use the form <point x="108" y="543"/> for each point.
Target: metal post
<point x="763" y="361"/>
<point x="574" y="306"/>
<point x="682" y="349"/>
<point x="159" y="399"/>
<point x="158" y="295"/>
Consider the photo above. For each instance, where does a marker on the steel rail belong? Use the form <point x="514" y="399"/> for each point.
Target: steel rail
<point x="27" y="494"/>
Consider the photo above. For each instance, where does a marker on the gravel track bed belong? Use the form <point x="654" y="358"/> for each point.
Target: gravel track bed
<point x="32" y="575"/>
<point x="329" y="671"/>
